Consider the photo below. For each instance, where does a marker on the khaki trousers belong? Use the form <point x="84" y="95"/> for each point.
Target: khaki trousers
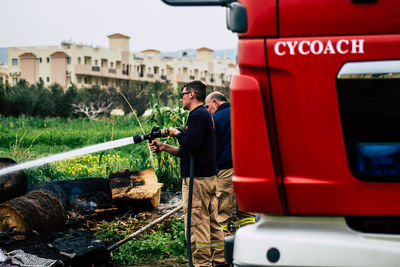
<point x="227" y="201"/>
<point x="207" y="237"/>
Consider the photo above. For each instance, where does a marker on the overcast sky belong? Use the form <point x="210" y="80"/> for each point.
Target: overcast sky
<point x="151" y="24"/>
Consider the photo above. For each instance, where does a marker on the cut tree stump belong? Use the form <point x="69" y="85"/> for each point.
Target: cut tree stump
<point x="138" y="189"/>
<point x="14" y="184"/>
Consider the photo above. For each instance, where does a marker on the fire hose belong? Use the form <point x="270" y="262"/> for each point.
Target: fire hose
<point x="156" y="132"/>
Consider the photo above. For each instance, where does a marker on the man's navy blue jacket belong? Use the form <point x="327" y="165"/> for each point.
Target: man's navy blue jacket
<point x="222" y="119"/>
<point x="198" y="138"/>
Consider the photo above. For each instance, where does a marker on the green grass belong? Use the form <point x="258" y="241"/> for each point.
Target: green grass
<point x="158" y="245"/>
<point x="26" y="138"/>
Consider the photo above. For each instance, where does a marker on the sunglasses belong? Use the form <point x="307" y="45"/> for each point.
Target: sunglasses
<point x="184" y="93"/>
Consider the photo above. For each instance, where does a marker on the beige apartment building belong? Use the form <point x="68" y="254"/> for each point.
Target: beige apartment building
<point x="85" y="66"/>
<point x="3" y="74"/>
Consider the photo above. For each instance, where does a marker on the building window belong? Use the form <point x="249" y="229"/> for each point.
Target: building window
<point x="112" y="64"/>
<point x="48" y="60"/>
<point x="48" y="79"/>
<point x="14" y="81"/>
<point x="15" y="61"/>
<point x="96" y="62"/>
<point x="68" y="60"/>
<point x="88" y="61"/>
<point x="79" y="79"/>
<point x="155" y="70"/>
<point x="88" y="80"/>
<point x="40" y="60"/>
<point x="79" y="60"/>
<point x="104" y="82"/>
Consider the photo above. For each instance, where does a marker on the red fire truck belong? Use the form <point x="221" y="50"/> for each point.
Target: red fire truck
<point x="316" y="140"/>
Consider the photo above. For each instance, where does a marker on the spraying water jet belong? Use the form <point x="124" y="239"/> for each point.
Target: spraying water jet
<point x="156" y="132"/>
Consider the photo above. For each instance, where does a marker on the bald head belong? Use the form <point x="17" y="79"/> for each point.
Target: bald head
<point x="214" y="100"/>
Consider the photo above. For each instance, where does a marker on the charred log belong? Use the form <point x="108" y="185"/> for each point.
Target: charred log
<point x="87" y="193"/>
<point x="35" y="211"/>
<point x="14" y="184"/>
<point x="82" y="199"/>
<point x="48" y="205"/>
<point x="138" y="190"/>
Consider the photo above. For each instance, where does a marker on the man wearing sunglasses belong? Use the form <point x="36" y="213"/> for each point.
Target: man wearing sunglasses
<point x="198" y="139"/>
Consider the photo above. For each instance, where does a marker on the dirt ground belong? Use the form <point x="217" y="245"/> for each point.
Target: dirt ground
<point x="38" y="244"/>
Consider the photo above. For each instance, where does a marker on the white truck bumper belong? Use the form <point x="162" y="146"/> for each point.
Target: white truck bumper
<point x="312" y="241"/>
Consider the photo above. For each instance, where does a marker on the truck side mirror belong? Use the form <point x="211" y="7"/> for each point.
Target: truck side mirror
<point x="236" y="17"/>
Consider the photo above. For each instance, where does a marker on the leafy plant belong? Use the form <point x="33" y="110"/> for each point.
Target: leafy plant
<point x="168" y="169"/>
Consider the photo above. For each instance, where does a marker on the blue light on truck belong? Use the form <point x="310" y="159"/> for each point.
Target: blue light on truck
<point x="378" y="159"/>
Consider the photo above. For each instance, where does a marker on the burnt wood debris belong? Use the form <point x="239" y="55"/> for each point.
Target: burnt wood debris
<point x="42" y="213"/>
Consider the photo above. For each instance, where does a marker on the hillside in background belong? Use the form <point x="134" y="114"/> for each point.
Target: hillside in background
<point x="191" y="53"/>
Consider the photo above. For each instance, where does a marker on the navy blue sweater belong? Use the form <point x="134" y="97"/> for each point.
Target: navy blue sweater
<point x="198" y="138"/>
<point x="222" y="119"/>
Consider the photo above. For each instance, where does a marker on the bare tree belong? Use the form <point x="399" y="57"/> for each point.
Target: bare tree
<point x="92" y="110"/>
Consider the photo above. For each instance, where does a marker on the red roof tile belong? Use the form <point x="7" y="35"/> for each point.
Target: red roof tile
<point x="149" y="50"/>
<point x="204" y="49"/>
<point x="59" y="54"/>
<point x="117" y="35"/>
<point x="28" y="54"/>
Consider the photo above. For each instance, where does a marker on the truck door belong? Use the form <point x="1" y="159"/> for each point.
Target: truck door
<point x="334" y="74"/>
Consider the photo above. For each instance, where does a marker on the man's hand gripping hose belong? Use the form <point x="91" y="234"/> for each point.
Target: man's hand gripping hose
<point x="156" y="132"/>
